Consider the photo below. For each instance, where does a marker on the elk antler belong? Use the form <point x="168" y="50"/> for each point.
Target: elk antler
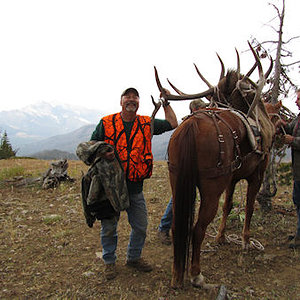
<point x="221" y="75"/>
<point x="270" y="68"/>
<point x="157" y="106"/>
<point x="260" y="84"/>
<point x="238" y="69"/>
<point x="222" y="67"/>
<point x="166" y="96"/>
<point x="202" y="77"/>
<point x="175" y="88"/>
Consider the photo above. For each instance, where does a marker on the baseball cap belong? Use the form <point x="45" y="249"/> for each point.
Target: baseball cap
<point x="197" y="104"/>
<point x="130" y="90"/>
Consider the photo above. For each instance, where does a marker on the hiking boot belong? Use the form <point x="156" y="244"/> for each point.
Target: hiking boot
<point x="140" y="265"/>
<point x="164" y="237"/>
<point x="110" y="271"/>
<point x="295" y="243"/>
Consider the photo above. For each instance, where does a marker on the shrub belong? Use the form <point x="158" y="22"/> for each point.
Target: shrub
<point x="284" y="175"/>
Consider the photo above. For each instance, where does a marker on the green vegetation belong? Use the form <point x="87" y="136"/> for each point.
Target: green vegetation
<point x="51" y="219"/>
<point x="285" y="175"/>
<point x="6" y="150"/>
<point x="7" y="173"/>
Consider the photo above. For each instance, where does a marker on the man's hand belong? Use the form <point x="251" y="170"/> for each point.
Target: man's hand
<point x="279" y="123"/>
<point x="288" y="139"/>
<point x="165" y="102"/>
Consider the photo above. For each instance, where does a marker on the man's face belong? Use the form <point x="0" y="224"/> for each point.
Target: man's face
<point x="298" y="100"/>
<point x="130" y="102"/>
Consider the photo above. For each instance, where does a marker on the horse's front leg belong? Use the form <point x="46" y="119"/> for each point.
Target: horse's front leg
<point x="248" y="215"/>
<point x="254" y="183"/>
<point x="220" y="238"/>
<point x="207" y="212"/>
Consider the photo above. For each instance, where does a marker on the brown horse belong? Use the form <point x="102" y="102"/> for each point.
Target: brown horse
<point x="212" y="150"/>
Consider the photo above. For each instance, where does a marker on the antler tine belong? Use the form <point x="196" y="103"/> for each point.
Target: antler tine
<point x="202" y="77"/>
<point x="157" y="106"/>
<point x="182" y="97"/>
<point x="253" y="67"/>
<point x="160" y="87"/>
<point x="223" y="68"/>
<point x="251" y="70"/>
<point x="260" y="83"/>
<point x="238" y="69"/>
<point x="260" y="70"/>
<point x="175" y="88"/>
<point x="270" y="68"/>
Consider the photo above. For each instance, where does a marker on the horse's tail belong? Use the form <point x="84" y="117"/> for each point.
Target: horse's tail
<point x="184" y="198"/>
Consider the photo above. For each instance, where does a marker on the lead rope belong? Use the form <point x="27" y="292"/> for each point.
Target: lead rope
<point x="234" y="238"/>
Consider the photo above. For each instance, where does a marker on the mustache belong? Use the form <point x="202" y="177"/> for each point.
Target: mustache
<point x="131" y="103"/>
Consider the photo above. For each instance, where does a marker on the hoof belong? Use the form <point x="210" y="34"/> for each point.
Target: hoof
<point x="221" y="240"/>
<point x="245" y="246"/>
<point x="199" y="282"/>
<point x="175" y="284"/>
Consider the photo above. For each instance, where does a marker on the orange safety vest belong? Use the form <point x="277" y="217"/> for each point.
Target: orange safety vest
<point x="135" y="155"/>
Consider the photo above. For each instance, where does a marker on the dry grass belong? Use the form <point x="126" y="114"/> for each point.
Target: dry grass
<point x="47" y="250"/>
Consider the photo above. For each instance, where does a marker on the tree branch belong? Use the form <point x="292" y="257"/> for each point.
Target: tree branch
<point x="291" y="64"/>
<point x="295" y="37"/>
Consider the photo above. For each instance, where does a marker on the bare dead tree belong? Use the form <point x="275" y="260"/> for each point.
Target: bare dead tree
<point x="279" y="86"/>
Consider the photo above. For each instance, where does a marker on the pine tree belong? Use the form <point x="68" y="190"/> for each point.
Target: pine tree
<point x="6" y="150"/>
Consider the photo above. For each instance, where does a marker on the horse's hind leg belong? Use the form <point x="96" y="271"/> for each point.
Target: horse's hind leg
<point x="220" y="238"/>
<point x="207" y="211"/>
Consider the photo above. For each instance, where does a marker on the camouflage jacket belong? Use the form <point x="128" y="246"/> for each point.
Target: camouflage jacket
<point x="103" y="188"/>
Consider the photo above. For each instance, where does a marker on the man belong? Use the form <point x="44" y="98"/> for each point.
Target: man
<point x="166" y="220"/>
<point x="130" y="134"/>
<point x="292" y="138"/>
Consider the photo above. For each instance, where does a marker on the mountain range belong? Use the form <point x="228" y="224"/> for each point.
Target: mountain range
<point x="43" y="120"/>
<point x="50" y="131"/>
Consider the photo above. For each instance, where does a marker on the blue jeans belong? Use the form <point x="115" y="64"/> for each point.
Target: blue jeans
<point x="166" y="220"/>
<point x="138" y="220"/>
<point x="296" y="200"/>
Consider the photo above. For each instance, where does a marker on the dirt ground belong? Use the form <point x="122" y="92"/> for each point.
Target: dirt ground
<point x="48" y="252"/>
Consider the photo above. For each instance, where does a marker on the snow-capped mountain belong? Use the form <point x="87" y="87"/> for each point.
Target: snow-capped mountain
<point x="68" y="143"/>
<point x="42" y="127"/>
<point x="40" y="121"/>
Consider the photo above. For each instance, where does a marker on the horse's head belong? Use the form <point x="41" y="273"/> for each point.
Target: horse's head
<point x="273" y="109"/>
